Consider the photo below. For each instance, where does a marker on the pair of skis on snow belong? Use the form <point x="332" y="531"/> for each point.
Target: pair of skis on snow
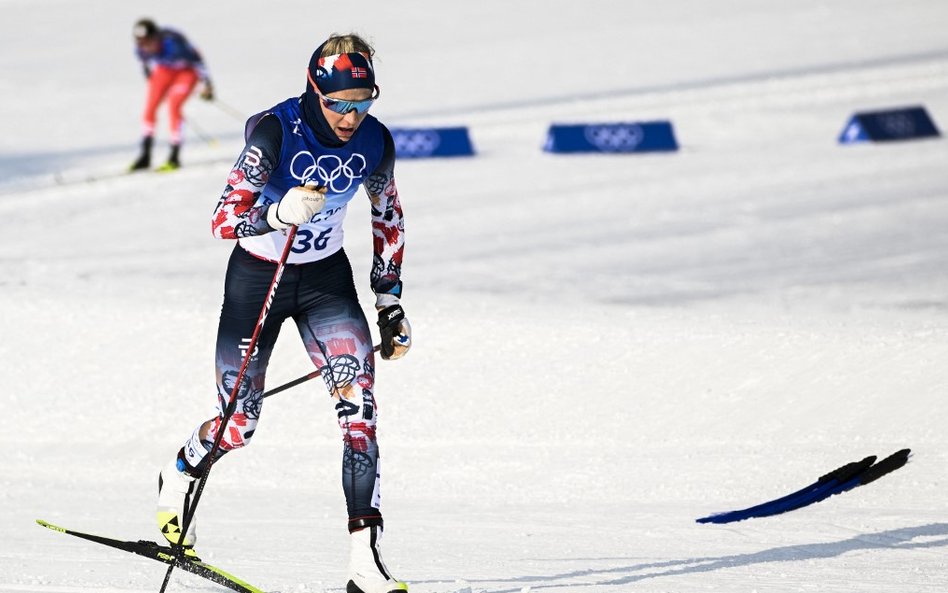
<point x="841" y="479"/>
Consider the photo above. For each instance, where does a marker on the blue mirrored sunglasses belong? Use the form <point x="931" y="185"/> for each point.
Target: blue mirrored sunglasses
<point x="344" y="107"/>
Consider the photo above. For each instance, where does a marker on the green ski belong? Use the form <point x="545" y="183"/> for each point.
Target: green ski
<point x="167" y="555"/>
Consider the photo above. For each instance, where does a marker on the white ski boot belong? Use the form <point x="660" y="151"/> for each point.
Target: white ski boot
<point x="175" y="488"/>
<point x="367" y="572"/>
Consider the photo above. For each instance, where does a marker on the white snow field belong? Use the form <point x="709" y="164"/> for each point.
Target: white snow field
<point x="606" y="347"/>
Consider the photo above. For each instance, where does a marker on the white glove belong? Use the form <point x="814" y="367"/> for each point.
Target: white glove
<point x="297" y="206"/>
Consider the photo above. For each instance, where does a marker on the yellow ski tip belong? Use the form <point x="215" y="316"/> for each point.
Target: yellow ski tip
<point x="51" y="526"/>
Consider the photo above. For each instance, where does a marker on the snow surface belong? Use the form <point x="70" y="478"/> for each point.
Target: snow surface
<point x="606" y="347"/>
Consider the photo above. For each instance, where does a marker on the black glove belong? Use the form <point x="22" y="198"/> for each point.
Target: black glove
<point x="207" y="93"/>
<point x="395" y="331"/>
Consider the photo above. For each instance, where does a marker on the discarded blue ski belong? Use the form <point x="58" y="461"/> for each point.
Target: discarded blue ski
<point x="847" y="477"/>
<point x="796" y="499"/>
<point x="167" y="555"/>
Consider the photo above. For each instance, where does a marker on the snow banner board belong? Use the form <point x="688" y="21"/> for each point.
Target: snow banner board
<point x="651" y="136"/>
<point x="906" y="123"/>
<point x="416" y="143"/>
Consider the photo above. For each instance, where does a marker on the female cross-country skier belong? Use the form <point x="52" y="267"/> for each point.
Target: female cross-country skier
<point x="303" y="161"/>
<point x="173" y="67"/>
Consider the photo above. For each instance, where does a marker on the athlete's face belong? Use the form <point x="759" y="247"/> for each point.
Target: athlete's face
<point x="150" y="45"/>
<point x="345" y="125"/>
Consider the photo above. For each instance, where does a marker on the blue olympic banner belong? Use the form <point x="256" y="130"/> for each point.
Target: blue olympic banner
<point x="416" y="143"/>
<point x="649" y="136"/>
<point x="905" y="123"/>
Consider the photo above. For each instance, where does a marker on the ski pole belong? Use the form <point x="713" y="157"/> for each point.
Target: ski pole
<point x="200" y="133"/>
<point x="302" y="379"/>
<point x="292" y="383"/>
<point x="231" y="111"/>
<point x="232" y="402"/>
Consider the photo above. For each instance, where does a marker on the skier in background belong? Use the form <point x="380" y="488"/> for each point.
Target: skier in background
<point x="173" y="67"/>
<point x="303" y="161"/>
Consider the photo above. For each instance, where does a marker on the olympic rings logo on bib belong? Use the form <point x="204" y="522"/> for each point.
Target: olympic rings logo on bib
<point x="328" y="170"/>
